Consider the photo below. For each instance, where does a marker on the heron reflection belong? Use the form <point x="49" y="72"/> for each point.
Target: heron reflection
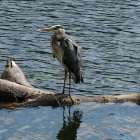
<point x="70" y="126"/>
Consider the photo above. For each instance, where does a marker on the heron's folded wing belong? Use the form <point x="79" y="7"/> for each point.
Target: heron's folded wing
<point x="72" y="57"/>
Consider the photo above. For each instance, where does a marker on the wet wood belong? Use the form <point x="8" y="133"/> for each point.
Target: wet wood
<point x="23" y="94"/>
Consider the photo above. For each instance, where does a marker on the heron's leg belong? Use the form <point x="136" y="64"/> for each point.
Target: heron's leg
<point x="70" y="87"/>
<point x="64" y="81"/>
<point x="69" y="83"/>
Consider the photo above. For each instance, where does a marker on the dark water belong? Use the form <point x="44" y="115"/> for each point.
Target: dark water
<point x="109" y="35"/>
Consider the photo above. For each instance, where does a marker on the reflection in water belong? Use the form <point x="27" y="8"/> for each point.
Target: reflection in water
<point x="70" y="127"/>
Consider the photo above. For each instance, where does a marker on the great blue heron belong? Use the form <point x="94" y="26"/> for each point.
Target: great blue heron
<point x="67" y="52"/>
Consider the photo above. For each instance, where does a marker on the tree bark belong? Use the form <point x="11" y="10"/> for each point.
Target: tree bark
<point x="23" y="94"/>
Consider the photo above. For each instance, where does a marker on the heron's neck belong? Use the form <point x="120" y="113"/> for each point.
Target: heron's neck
<point x="58" y="33"/>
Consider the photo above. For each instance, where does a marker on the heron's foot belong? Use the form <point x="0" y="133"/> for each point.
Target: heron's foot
<point x="71" y="99"/>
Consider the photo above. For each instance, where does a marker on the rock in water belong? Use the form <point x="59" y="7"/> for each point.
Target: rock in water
<point x="14" y="74"/>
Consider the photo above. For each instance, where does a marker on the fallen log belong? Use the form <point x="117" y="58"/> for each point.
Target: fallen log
<point x="20" y="92"/>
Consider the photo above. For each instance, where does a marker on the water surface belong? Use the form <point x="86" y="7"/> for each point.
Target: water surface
<point x="90" y="121"/>
<point x="108" y="33"/>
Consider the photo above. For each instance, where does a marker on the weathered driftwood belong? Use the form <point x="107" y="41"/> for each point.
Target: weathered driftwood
<point x="14" y="74"/>
<point x="26" y="95"/>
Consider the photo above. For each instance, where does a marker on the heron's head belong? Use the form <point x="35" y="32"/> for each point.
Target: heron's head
<point x="54" y="29"/>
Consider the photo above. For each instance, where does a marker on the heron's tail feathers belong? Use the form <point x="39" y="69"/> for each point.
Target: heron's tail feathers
<point x="77" y="78"/>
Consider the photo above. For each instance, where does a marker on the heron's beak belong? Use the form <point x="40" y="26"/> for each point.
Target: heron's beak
<point x="45" y="29"/>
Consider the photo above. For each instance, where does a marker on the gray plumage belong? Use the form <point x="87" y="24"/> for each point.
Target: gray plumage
<point x="67" y="52"/>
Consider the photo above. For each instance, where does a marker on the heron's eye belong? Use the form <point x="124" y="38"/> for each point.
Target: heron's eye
<point x="56" y="28"/>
